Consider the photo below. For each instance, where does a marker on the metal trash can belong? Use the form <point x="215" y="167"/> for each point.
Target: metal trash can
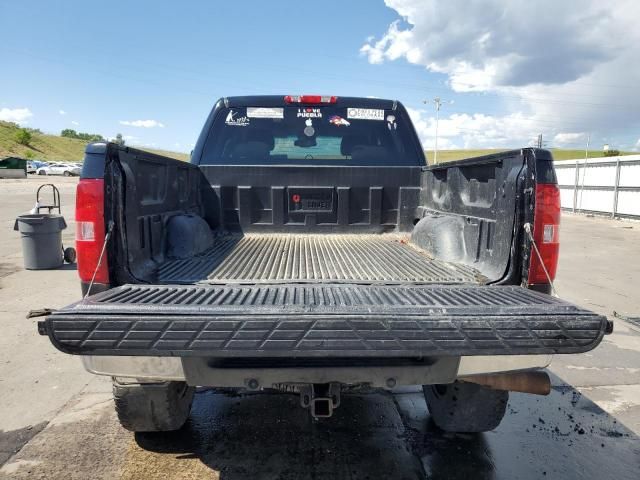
<point x="41" y="240"/>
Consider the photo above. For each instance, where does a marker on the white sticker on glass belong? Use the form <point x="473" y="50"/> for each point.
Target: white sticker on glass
<point x="265" y="112"/>
<point x="309" y="112"/>
<point x="234" y="120"/>
<point x="309" y="130"/>
<point x="365" y="114"/>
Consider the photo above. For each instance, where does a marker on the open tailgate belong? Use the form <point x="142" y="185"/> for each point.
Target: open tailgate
<point x="322" y="320"/>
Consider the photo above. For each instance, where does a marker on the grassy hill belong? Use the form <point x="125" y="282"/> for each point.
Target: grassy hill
<point x="558" y="154"/>
<point x="53" y="147"/>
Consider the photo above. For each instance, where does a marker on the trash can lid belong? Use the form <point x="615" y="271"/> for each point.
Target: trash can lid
<point x="43" y="219"/>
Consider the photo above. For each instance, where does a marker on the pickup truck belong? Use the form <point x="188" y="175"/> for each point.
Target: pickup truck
<point x="308" y="247"/>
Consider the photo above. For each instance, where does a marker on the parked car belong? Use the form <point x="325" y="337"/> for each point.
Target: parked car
<point x="66" y="169"/>
<point x="31" y="167"/>
<point x="308" y="246"/>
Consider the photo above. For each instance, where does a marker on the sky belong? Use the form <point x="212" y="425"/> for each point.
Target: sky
<point x="505" y="70"/>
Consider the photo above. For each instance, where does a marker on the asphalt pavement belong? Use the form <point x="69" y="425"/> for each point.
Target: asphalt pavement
<point x="57" y="421"/>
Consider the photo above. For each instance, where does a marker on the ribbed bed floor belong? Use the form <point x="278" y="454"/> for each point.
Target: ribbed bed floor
<point x="314" y="259"/>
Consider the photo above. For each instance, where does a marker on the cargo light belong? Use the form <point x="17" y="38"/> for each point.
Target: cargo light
<point x="545" y="234"/>
<point x="310" y="99"/>
<point x="90" y="230"/>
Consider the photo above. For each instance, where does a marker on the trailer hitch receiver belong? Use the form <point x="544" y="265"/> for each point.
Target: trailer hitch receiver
<point x="320" y="398"/>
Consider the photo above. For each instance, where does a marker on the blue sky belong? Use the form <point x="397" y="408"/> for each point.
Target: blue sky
<point x="107" y="67"/>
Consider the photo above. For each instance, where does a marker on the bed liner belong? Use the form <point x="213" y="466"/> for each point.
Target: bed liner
<point x="273" y="258"/>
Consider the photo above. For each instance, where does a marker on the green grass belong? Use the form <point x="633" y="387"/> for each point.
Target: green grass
<point x="53" y="147"/>
<point x="558" y="154"/>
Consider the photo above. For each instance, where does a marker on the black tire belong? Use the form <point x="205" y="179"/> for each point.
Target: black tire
<point x="42" y="172"/>
<point x="465" y="407"/>
<point x="70" y="255"/>
<point x="66" y="174"/>
<point x="152" y="407"/>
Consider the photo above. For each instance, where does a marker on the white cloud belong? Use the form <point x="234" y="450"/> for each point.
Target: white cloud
<point x="142" y="123"/>
<point x="473" y="131"/>
<point x="17" y="115"/>
<point x="482" y="44"/>
<point x="62" y="112"/>
<point x="73" y="122"/>
<point x="569" y="138"/>
<point x="567" y="65"/>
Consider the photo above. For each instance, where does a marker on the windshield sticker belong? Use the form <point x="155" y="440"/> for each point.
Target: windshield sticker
<point x="309" y="112"/>
<point x="338" y="121"/>
<point x="365" y="114"/>
<point x="391" y="122"/>
<point x="233" y="120"/>
<point x="265" y="112"/>
<point x="309" y="130"/>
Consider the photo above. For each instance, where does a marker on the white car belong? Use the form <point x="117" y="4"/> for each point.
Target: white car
<point x="31" y="167"/>
<point x="66" y="169"/>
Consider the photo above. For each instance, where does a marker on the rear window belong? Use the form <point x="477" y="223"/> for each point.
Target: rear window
<point x="311" y="135"/>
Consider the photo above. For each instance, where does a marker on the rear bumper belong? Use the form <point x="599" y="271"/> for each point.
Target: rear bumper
<point x="322" y="321"/>
<point x="441" y="370"/>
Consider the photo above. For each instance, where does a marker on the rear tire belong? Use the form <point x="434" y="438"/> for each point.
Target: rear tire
<point x="67" y="174"/>
<point x="152" y="407"/>
<point x="465" y="407"/>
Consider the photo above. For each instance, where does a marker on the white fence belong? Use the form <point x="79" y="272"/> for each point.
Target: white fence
<point x="601" y="185"/>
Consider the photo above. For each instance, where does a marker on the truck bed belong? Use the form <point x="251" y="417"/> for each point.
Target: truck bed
<point x="389" y="262"/>
<point x="272" y="258"/>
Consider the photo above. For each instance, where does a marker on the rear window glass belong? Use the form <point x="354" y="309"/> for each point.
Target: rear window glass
<point x="311" y="135"/>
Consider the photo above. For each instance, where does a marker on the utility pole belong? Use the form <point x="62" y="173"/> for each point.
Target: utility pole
<point x="584" y="169"/>
<point x="540" y="140"/>
<point x="586" y="149"/>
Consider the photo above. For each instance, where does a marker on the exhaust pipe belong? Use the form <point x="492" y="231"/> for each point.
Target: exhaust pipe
<point x="537" y="383"/>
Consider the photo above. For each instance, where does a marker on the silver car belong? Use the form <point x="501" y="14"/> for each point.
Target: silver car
<point x="66" y="169"/>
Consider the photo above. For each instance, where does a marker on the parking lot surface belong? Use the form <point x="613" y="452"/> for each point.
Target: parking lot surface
<point x="57" y="421"/>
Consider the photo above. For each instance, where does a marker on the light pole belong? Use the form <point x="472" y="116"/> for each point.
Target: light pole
<point x="438" y="103"/>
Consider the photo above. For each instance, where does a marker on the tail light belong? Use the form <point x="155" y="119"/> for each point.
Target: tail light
<point x="90" y="230"/>
<point x="310" y="99"/>
<point x="545" y="234"/>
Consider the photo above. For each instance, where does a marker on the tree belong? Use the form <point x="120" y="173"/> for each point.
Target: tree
<point x="69" y="133"/>
<point x="89" y="137"/>
<point x="23" y="137"/>
<point x="612" y="153"/>
<point x="119" y="140"/>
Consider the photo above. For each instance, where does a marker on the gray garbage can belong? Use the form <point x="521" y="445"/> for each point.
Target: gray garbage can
<point x="41" y="240"/>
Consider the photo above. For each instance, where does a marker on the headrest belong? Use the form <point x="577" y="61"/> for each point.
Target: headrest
<point x="250" y="150"/>
<point x="350" y="141"/>
<point x="261" y="135"/>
